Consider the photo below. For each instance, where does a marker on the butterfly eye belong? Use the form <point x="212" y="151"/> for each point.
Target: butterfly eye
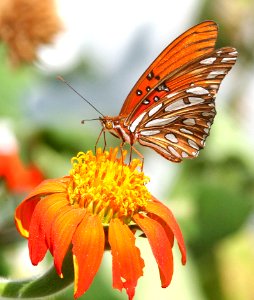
<point x="109" y="124"/>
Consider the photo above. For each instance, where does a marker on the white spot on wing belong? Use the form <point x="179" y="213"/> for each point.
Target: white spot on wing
<point x="203" y="143"/>
<point x="207" y="114"/>
<point x="171" y="137"/>
<point x="136" y="122"/>
<point x="159" y="122"/>
<point x="226" y="59"/>
<point x="208" y="61"/>
<point x="193" y="144"/>
<point x="189" y="121"/>
<point x="172" y="95"/>
<point x="233" y="53"/>
<point x="149" y="132"/>
<point x="214" y="86"/>
<point x="173" y="151"/>
<point x="183" y="130"/>
<point x="196" y="100"/>
<point x="184" y="154"/>
<point x="206" y="130"/>
<point x="213" y="74"/>
<point x="154" y="109"/>
<point x="195" y="153"/>
<point x="198" y="90"/>
<point x="175" y="105"/>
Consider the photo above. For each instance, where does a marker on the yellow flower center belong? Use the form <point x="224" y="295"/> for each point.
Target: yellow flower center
<point x="105" y="186"/>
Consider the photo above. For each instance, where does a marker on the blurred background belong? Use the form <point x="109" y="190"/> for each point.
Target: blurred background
<point x="101" y="48"/>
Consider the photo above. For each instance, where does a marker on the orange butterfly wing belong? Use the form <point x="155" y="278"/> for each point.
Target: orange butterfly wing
<point x="193" y="43"/>
<point x="178" y="124"/>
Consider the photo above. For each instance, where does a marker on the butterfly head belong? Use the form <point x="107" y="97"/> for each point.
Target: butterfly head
<point x="108" y="124"/>
<point x="115" y="125"/>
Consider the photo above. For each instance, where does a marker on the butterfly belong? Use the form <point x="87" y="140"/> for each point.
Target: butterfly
<point x="172" y="106"/>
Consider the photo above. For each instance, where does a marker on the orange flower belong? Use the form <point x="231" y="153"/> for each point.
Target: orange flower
<point x="101" y="203"/>
<point x="18" y="177"/>
<point x="25" y="25"/>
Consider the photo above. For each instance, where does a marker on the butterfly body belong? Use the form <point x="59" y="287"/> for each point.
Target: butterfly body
<point x="172" y="106"/>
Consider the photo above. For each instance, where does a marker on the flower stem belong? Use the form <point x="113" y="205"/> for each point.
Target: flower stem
<point x="45" y="285"/>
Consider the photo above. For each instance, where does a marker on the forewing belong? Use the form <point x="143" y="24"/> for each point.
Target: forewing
<point x="195" y="42"/>
<point x="179" y="123"/>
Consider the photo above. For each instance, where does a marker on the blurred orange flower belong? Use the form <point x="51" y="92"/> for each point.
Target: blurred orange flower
<point x="100" y="204"/>
<point x="18" y="177"/>
<point x="25" y="25"/>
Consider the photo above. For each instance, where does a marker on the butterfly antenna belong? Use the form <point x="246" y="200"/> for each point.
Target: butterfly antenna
<point x="64" y="81"/>
<point x="83" y="121"/>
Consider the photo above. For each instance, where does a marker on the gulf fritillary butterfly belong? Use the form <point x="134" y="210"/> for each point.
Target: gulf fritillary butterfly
<point x="172" y="106"/>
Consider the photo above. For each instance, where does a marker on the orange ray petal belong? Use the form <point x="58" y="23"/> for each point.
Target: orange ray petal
<point x="48" y="226"/>
<point x="162" y="211"/>
<point x="127" y="262"/>
<point x="168" y="231"/>
<point x="49" y="186"/>
<point x="25" y="210"/>
<point x="88" y="247"/>
<point x="160" y="244"/>
<point x="23" y="215"/>
<point x="62" y="231"/>
<point x="44" y="214"/>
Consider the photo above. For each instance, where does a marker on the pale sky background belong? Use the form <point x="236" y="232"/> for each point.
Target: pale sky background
<point x="104" y="29"/>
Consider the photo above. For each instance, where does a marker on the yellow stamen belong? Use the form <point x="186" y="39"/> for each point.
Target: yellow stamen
<point x="106" y="187"/>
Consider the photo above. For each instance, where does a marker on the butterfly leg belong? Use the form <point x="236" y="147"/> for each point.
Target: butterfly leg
<point x="139" y="154"/>
<point x="105" y="141"/>
<point x="130" y="155"/>
<point x="121" y="149"/>
<point x="97" y="141"/>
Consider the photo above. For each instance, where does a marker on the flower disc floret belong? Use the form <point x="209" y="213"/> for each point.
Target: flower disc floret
<point x="107" y="187"/>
